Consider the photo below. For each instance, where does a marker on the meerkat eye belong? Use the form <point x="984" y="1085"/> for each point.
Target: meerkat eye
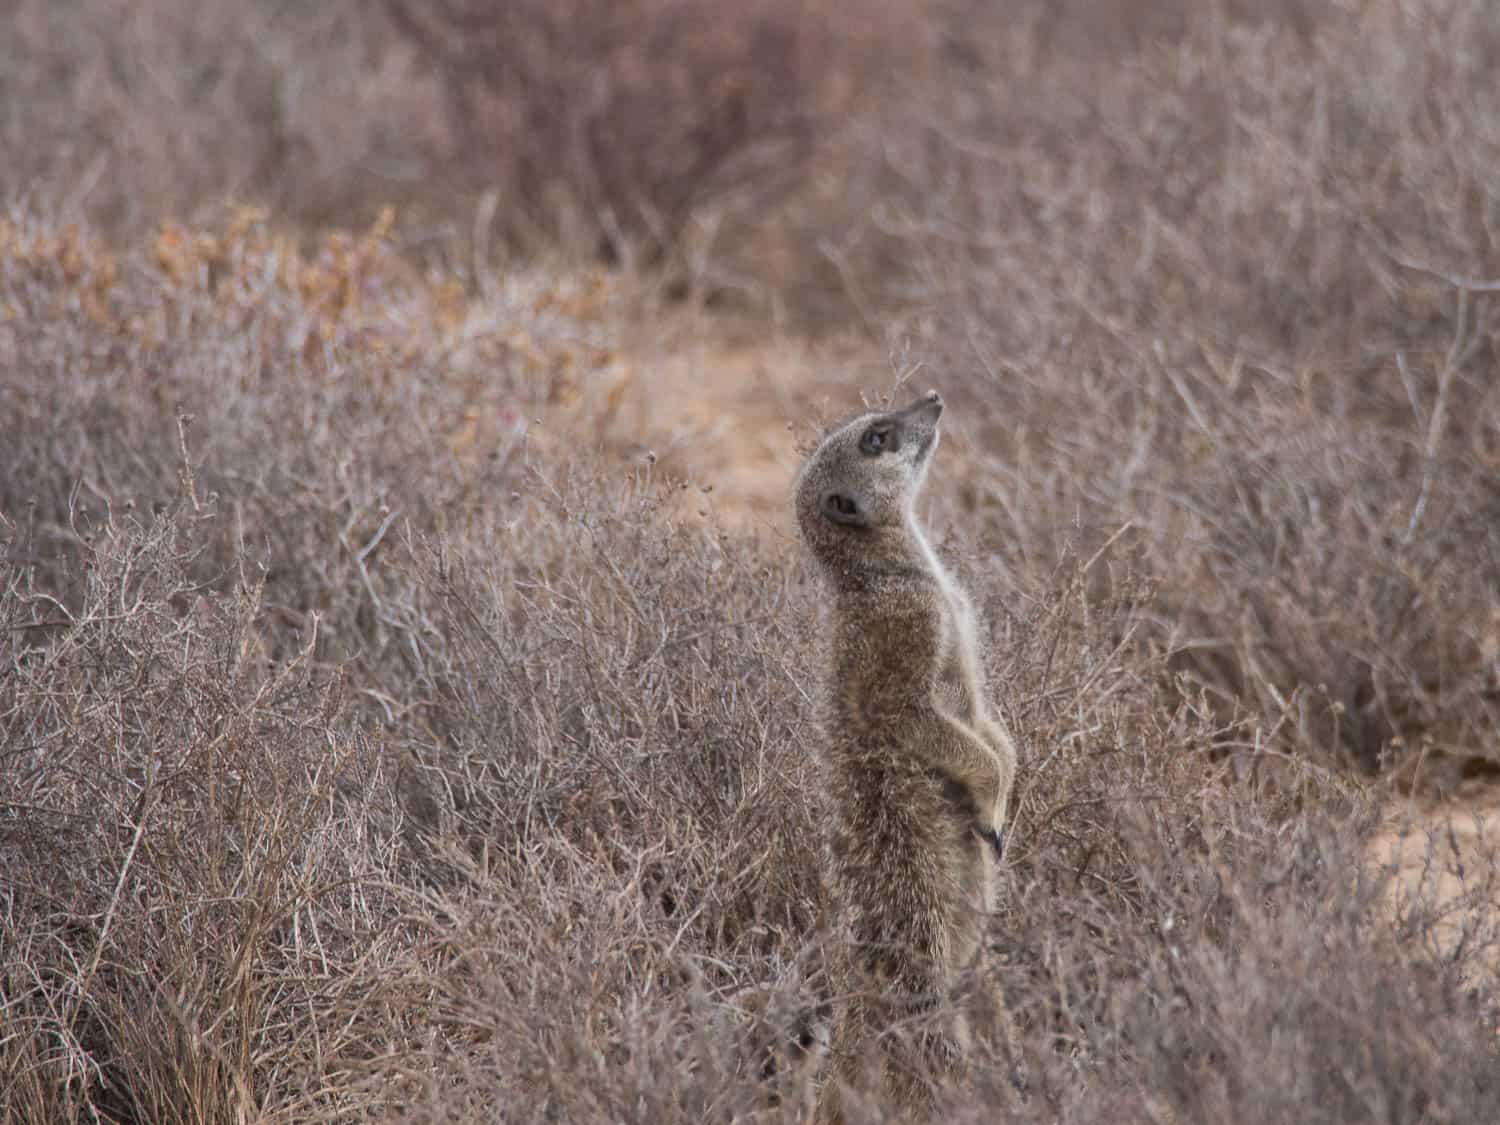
<point x="877" y="439"/>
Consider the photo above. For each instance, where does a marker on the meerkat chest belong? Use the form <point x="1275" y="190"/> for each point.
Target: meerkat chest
<point x="954" y="605"/>
<point x="953" y="691"/>
<point x="949" y="640"/>
<point x="960" y="679"/>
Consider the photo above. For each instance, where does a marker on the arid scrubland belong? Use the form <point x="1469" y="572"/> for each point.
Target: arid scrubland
<point x="385" y="735"/>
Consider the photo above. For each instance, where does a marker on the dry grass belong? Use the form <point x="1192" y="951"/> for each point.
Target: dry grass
<point x="643" y="131"/>
<point x="379" y="739"/>
<point x="126" y="115"/>
<point x="645" y="127"/>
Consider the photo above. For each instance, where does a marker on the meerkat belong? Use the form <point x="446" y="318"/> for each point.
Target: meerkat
<point x="917" y="766"/>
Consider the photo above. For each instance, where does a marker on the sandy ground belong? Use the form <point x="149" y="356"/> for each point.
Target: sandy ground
<point x="721" y="410"/>
<point x="1445" y="856"/>
<point x="724" y="420"/>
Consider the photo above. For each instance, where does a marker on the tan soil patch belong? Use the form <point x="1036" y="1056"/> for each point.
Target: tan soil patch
<point x="1447" y="854"/>
<point x="720" y="419"/>
<point x="720" y="412"/>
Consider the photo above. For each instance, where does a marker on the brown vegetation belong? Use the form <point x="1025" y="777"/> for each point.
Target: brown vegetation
<point x="381" y="736"/>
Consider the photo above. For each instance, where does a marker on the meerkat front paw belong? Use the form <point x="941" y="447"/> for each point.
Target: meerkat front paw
<point x="999" y="743"/>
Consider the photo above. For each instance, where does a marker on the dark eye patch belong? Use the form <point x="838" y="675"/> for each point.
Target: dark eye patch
<point x="881" y="437"/>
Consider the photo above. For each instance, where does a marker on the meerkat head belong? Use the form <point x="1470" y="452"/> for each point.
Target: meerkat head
<point x="860" y="484"/>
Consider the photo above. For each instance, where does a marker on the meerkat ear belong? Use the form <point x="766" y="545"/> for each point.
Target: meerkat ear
<point x="841" y="507"/>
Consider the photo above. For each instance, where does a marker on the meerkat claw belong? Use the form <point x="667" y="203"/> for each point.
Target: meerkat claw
<point x="995" y="837"/>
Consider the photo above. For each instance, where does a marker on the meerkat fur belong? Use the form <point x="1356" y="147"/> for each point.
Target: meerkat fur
<point x="917" y="767"/>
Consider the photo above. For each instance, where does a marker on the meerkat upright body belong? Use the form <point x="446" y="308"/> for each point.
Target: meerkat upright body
<point x="917" y="768"/>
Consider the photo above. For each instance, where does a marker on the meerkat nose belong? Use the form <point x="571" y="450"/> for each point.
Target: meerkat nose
<point x="929" y="405"/>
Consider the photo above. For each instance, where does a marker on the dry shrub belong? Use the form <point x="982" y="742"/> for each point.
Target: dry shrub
<point x="215" y="338"/>
<point x="200" y="594"/>
<point x="129" y="114"/>
<point x="501" y="808"/>
<point x="181" y="897"/>
<point x="634" y="126"/>
<point x="367" y="751"/>
<point x="665" y="131"/>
